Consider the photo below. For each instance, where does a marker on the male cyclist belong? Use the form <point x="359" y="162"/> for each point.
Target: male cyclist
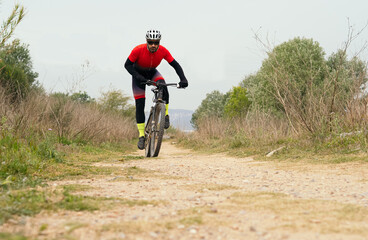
<point x="141" y="64"/>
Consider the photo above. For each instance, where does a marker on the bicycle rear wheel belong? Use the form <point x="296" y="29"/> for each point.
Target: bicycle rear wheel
<point x="158" y="129"/>
<point x="148" y="136"/>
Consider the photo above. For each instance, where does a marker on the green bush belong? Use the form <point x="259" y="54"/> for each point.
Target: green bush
<point x="21" y="158"/>
<point x="309" y="91"/>
<point x="237" y="103"/>
<point x="82" y="97"/>
<point x="212" y="106"/>
<point x="292" y="68"/>
<point x="16" y="74"/>
<point x="115" y="101"/>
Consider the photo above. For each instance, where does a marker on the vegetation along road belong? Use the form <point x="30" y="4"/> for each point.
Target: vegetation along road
<point x="188" y="195"/>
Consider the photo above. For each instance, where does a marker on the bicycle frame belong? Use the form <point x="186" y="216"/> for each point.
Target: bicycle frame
<point x="154" y="129"/>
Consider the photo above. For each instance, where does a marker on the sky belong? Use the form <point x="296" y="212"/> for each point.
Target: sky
<point x="82" y="45"/>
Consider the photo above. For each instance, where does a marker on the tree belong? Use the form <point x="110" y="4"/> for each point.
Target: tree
<point x="82" y="97"/>
<point x="309" y="91"/>
<point x="296" y="68"/>
<point x="212" y="106"/>
<point x="16" y="74"/>
<point x="116" y="101"/>
<point x="292" y="82"/>
<point x="258" y="95"/>
<point x="350" y="75"/>
<point x="9" y="25"/>
<point x="237" y="103"/>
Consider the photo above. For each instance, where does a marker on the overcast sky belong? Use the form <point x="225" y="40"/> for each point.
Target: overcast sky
<point x="212" y="40"/>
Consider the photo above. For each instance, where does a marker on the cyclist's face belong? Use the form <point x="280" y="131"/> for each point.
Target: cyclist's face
<point x="152" y="45"/>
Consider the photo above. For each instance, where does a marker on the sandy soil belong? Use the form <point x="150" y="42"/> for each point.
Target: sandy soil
<point x="214" y="196"/>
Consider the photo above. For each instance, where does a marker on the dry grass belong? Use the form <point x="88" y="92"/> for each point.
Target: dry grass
<point x="249" y="135"/>
<point x="209" y="187"/>
<point x="255" y="125"/>
<point x="279" y="212"/>
<point x="67" y="119"/>
<point x="300" y="215"/>
<point x="257" y="134"/>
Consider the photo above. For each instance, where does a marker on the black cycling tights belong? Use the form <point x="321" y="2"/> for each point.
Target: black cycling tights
<point x="140" y="103"/>
<point x="139" y="110"/>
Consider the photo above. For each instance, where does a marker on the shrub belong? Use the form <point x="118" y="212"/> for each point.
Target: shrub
<point x="16" y="74"/>
<point x="212" y="106"/>
<point x="237" y="103"/>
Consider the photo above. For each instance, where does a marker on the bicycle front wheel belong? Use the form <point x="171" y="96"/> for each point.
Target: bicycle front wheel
<point x="158" y="129"/>
<point x="148" y="136"/>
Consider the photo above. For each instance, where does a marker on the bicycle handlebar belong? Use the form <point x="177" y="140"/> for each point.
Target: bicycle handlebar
<point x="150" y="82"/>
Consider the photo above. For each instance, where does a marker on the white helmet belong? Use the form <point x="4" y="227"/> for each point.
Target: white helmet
<point x="153" y="35"/>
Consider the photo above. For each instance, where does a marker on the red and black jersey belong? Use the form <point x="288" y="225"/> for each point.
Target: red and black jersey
<point x="141" y="56"/>
<point x="141" y="63"/>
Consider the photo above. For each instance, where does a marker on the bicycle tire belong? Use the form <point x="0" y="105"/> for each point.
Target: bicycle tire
<point x="148" y="136"/>
<point x="158" y="129"/>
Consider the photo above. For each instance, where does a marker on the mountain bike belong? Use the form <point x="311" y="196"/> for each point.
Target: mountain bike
<point x="154" y="130"/>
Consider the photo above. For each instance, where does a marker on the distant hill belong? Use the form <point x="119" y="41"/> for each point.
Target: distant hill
<point x="180" y="119"/>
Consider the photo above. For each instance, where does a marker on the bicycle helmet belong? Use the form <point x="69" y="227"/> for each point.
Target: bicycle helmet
<point x="153" y="35"/>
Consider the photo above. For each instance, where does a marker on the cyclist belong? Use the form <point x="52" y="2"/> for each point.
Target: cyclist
<point x="141" y="64"/>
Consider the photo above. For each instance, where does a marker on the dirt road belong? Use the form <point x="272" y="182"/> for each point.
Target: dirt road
<point x="186" y="195"/>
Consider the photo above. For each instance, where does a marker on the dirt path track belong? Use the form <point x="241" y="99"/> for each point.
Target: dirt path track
<point x="186" y="195"/>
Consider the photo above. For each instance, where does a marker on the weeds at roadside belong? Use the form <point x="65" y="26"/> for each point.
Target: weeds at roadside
<point x="192" y="220"/>
<point x="209" y="187"/>
<point x="71" y="226"/>
<point x="10" y="236"/>
<point x="130" y="158"/>
<point x="186" y="218"/>
<point x="77" y="187"/>
<point x="29" y="202"/>
<point x="337" y="149"/>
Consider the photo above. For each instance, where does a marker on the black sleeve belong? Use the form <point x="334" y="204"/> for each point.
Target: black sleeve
<point x="130" y="68"/>
<point x="178" y="70"/>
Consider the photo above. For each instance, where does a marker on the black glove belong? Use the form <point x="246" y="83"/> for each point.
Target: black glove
<point x="183" y="84"/>
<point x="160" y="82"/>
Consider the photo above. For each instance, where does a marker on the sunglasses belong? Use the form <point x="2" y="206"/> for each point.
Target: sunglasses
<point x="153" y="42"/>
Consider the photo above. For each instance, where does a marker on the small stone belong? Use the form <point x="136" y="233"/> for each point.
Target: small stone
<point x="235" y="227"/>
<point x="252" y="229"/>
<point x="122" y="236"/>
<point x="181" y="226"/>
<point x="12" y="221"/>
<point x="213" y="210"/>
<point x="193" y="231"/>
